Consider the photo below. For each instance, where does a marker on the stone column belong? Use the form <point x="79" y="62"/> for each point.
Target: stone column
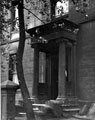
<point x="35" y="76"/>
<point x="61" y="74"/>
<point x="73" y="98"/>
<point x="73" y="70"/>
<point x="8" y="90"/>
<point x="48" y="76"/>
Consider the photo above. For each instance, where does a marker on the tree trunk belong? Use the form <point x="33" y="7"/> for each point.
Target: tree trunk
<point x="24" y="90"/>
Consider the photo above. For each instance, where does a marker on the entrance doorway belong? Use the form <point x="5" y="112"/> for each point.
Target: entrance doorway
<point x="54" y="76"/>
<point x="52" y="73"/>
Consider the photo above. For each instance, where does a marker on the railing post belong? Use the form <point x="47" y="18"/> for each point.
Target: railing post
<point x="8" y="91"/>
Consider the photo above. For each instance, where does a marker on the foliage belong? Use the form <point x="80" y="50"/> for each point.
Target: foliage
<point x="37" y="9"/>
<point x="5" y="24"/>
<point x="4" y="32"/>
<point x="40" y="6"/>
<point x="4" y="20"/>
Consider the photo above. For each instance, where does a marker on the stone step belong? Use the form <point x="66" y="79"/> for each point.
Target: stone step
<point x="68" y="112"/>
<point x="41" y="107"/>
<point x="39" y="112"/>
<point x="55" y="109"/>
<point x="49" y="110"/>
<point x="70" y="105"/>
<point x="71" y="109"/>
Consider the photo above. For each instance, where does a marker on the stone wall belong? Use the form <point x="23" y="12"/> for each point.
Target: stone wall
<point x="86" y="61"/>
<point x="28" y="65"/>
<point x="79" y="17"/>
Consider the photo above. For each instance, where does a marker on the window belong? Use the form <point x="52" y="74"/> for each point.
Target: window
<point x="12" y="68"/>
<point x="61" y="8"/>
<point x="17" y="21"/>
<point x="14" y="17"/>
<point x="42" y="67"/>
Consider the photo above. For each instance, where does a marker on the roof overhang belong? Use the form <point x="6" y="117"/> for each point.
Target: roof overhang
<point x="45" y="34"/>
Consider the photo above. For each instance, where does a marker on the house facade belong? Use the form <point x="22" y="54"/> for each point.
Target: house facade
<point x="59" y="59"/>
<point x="69" y="57"/>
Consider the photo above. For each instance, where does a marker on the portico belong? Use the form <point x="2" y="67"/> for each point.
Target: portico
<point x="57" y="41"/>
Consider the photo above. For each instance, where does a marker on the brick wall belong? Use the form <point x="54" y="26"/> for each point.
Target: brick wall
<point x="86" y="61"/>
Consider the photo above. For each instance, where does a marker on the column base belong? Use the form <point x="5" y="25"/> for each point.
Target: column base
<point x="72" y="100"/>
<point x="61" y="99"/>
<point x="68" y="100"/>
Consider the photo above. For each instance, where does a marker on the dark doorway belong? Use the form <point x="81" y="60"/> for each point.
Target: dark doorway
<point x="52" y="74"/>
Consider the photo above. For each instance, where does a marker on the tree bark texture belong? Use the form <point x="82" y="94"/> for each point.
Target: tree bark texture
<point x="24" y="90"/>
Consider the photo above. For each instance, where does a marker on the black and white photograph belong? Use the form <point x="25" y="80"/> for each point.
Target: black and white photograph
<point x="47" y="59"/>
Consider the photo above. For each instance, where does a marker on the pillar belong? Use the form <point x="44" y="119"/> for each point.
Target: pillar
<point x="48" y="74"/>
<point x="8" y="90"/>
<point x="35" y="76"/>
<point x="61" y="74"/>
<point x="73" y="70"/>
<point x="68" y="69"/>
<point x="73" y="97"/>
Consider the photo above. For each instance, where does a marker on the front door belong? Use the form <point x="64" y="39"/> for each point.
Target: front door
<point x="52" y="75"/>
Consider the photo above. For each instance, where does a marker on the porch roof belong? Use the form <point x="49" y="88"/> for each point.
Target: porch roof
<point x="59" y="28"/>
